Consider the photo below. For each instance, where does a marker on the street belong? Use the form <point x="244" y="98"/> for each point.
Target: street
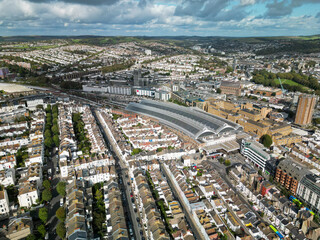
<point x="222" y="171"/>
<point x="55" y="201"/>
<point x="122" y="172"/>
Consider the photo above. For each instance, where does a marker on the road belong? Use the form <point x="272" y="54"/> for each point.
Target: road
<point x="122" y="172"/>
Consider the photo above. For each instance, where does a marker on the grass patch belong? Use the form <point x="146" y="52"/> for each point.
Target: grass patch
<point x="290" y="82"/>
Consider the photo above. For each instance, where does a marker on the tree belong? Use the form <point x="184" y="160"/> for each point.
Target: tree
<point x="55" y="108"/>
<point x="221" y="160"/>
<point x="266" y="140"/>
<point x="46" y="195"/>
<point x="229" y="69"/>
<point x="159" y="149"/>
<point x="136" y="151"/>
<point x="43" y="215"/>
<point x="46" y="183"/>
<point x="47" y="134"/>
<point x="219" y="90"/>
<point x="31" y="237"/>
<point x="42" y="230"/>
<point x="48" y="108"/>
<point x="56" y="140"/>
<point x="61" y="188"/>
<point x="227" y="162"/>
<point x="55" y="129"/>
<point x="61" y="214"/>
<point x="48" y="142"/>
<point x="61" y="230"/>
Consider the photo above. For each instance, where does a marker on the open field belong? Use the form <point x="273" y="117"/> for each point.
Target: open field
<point x="289" y="82"/>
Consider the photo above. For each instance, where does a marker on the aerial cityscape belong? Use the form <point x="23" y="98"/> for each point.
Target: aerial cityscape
<point x="159" y="120"/>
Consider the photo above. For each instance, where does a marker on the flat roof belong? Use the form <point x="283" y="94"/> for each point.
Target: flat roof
<point x="13" y="88"/>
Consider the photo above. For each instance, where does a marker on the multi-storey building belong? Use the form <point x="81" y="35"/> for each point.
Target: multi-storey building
<point x="289" y="174"/>
<point x="233" y="88"/>
<point x="306" y="105"/>
<point x="309" y="191"/>
<point x="4" y="203"/>
<point x="254" y="152"/>
<point x="28" y="194"/>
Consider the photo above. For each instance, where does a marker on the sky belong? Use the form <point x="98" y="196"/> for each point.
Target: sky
<point x="234" y="18"/>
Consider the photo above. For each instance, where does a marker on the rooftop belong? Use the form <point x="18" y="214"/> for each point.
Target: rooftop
<point x="193" y="122"/>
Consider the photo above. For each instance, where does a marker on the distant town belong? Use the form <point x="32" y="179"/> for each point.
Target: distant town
<point x="159" y="138"/>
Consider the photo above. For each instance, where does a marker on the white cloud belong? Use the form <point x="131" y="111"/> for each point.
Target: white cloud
<point x="154" y="17"/>
<point x="247" y="2"/>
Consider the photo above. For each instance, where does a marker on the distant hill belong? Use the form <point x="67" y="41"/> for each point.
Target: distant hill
<point x="134" y="38"/>
<point x="298" y="44"/>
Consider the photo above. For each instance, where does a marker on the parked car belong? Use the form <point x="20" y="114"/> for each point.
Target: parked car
<point x="61" y="202"/>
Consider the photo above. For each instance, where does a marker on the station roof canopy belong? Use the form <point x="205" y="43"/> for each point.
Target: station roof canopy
<point x="192" y="121"/>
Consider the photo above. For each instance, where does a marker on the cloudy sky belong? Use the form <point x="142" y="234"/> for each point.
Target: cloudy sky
<point x="160" y="17"/>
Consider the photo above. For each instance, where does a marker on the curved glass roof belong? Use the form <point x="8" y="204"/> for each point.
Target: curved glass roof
<point x="192" y="121"/>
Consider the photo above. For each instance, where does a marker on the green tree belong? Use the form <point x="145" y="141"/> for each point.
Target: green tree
<point x="55" y="121"/>
<point x="47" y="134"/>
<point x="61" y="214"/>
<point x="266" y="140"/>
<point x="219" y="90"/>
<point x="98" y="195"/>
<point x="136" y="151"/>
<point x="61" y="230"/>
<point x="229" y="69"/>
<point x="56" y="140"/>
<point x="46" y="195"/>
<point x="55" y="130"/>
<point x="55" y="115"/>
<point x="31" y="237"/>
<point x="159" y="149"/>
<point x="61" y="188"/>
<point x="42" y="230"/>
<point x="48" y="108"/>
<point x="43" y="215"/>
<point x="48" y="142"/>
<point x="55" y="108"/>
<point x="227" y="162"/>
<point x="46" y="183"/>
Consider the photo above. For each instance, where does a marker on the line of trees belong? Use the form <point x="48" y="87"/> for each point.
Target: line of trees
<point x="70" y="85"/>
<point x="81" y="133"/>
<point x="46" y="193"/>
<point x="51" y="134"/>
<point x="117" y="67"/>
<point x="61" y="212"/>
<point x="61" y="228"/>
<point x="99" y="211"/>
<point x="160" y="204"/>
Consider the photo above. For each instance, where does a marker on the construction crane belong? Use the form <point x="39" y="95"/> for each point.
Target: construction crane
<point x="283" y="90"/>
